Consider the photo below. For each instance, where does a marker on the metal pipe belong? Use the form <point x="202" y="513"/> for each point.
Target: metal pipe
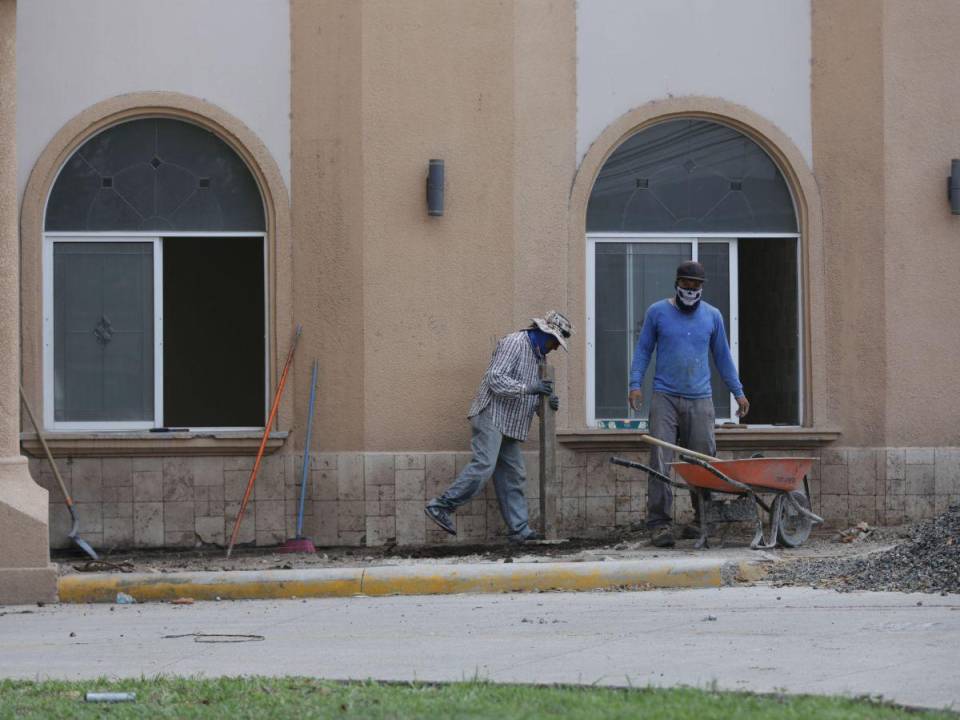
<point x="306" y="449"/>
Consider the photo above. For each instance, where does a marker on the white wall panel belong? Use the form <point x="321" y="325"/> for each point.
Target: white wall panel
<point x="72" y="54"/>
<point x="752" y="52"/>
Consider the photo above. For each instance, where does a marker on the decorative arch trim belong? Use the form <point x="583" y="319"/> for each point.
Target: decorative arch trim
<point x="806" y="194"/>
<point x="248" y="146"/>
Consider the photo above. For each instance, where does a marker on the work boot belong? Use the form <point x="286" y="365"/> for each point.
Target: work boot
<point x="441" y="516"/>
<point x="690" y="531"/>
<point x="662" y="536"/>
<point x="533" y="536"/>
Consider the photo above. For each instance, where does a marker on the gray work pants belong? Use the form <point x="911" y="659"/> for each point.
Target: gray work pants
<point x="684" y="422"/>
<point x="498" y="455"/>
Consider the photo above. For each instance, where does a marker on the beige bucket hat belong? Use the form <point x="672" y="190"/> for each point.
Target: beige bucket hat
<point x="556" y="324"/>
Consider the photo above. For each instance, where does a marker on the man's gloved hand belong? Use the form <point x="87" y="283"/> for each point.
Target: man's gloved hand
<point x="554" y="403"/>
<point x="543" y="387"/>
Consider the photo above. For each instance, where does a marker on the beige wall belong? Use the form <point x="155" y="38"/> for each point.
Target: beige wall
<point x="922" y="240"/>
<point x="848" y="161"/>
<point x="403" y="309"/>
<point x="885" y="125"/>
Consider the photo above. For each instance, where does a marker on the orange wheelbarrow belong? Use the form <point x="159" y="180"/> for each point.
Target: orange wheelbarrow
<point x="740" y="485"/>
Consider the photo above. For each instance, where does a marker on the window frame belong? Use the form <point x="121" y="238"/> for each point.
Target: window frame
<point x="52" y="237"/>
<point x="733" y="331"/>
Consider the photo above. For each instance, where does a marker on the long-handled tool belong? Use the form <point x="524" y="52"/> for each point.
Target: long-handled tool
<point x="74" y="533"/>
<point x="651" y="440"/>
<point x="300" y="544"/>
<point x="266" y="436"/>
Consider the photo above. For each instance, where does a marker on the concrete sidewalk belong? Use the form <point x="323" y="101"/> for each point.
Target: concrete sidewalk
<point x="415" y="579"/>
<point x="903" y="647"/>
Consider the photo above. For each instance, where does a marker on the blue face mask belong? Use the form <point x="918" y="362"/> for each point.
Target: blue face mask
<point x="539" y="339"/>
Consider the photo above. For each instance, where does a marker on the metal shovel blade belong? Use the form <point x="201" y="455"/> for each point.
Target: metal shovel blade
<point x="80" y="542"/>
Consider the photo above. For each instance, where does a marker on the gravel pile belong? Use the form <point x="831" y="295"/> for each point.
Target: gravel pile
<point x="927" y="561"/>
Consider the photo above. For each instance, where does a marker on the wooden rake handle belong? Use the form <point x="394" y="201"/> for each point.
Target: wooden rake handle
<point x="650" y="440"/>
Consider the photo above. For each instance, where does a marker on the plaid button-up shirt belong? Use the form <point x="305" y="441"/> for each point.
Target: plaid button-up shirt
<point x="513" y="370"/>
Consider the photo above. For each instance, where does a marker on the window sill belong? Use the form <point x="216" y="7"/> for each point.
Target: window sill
<point x="148" y="444"/>
<point x="728" y="438"/>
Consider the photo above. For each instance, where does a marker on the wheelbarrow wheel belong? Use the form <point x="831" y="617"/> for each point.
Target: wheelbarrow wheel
<point x="794" y="527"/>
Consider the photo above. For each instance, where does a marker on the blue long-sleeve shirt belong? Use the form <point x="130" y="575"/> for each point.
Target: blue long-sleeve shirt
<point x="684" y="342"/>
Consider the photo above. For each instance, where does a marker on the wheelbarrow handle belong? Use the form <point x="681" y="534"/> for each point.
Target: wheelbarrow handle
<point x="647" y="469"/>
<point x="651" y="440"/>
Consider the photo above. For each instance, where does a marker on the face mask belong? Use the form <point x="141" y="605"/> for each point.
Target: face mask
<point x="687" y="300"/>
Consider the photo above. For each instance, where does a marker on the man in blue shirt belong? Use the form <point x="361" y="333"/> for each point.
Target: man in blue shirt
<point x="685" y="331"/>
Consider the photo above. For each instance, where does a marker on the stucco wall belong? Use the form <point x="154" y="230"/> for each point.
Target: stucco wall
<point x="922" y="238"/>
<point x="755" y="53"/>
<point x="885" y="93"/>
<point x="404" y="309"/>
<point x="848" y="134"/>
<point x="72" y="54"/>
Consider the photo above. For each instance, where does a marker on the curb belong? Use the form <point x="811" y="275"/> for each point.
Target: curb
<point x="410" y="580"/>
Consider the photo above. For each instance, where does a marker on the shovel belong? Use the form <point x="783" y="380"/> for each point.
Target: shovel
<point x="75" y="528"/>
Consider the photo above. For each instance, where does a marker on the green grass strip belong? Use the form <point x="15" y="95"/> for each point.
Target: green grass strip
<point x="258" y="697"/>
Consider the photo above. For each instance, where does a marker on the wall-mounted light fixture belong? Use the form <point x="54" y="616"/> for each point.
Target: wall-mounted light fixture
<point x="953" y="187"/>
<point x="435" y="188"/>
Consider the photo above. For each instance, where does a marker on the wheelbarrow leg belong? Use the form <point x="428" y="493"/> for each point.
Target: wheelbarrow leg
<point x="702" y="541"/>
<point x="757" y="541"/>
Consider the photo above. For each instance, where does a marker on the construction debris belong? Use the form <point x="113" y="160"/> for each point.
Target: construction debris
<point x="928" y="560"/>
<point x="860" y="531"/>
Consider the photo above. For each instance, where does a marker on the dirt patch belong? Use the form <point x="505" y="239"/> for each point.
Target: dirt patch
<point x="926" y="559"/>
<point x="622" y="545"/>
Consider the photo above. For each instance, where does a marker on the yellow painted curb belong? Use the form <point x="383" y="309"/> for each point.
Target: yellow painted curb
<point x="240" y="585"/>
<point x="517" y="577"/>
<point x="410" y="580"/>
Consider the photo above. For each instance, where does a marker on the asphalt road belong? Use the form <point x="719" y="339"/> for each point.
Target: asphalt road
<point x="798" y="640"/>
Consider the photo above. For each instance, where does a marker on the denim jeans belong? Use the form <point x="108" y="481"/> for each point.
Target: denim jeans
<point x="680" y="421"/>
<point x="497" y="455"/>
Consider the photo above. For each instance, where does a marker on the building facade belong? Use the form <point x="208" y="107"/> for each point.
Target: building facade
<point x="192" y="182"/>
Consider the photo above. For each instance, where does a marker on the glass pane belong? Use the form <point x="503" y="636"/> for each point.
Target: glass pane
<point x="629" y="278"/>
<point x="155" y="174"/>
<point x="103" y="331"/>
<point x="690" y="176"/>
<point x="715" y="257"/>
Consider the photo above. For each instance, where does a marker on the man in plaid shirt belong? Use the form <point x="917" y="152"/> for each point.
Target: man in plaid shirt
<point x="500" y="416"/>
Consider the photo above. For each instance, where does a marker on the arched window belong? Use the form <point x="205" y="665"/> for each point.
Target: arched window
<point x="154" y="283"/>
<point x="695" y="189"/>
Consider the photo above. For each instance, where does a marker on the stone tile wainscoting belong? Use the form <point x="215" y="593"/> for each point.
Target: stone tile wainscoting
<point x="378" y="498"/>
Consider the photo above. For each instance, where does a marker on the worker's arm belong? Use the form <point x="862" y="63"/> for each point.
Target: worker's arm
<point x="643" y="351"/>
<point x="723" y="359"/>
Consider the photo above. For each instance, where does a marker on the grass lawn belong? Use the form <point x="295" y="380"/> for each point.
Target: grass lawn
<point x="254" y="697"/>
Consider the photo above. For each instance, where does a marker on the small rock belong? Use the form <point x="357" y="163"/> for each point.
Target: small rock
<point x="73" y="634"/>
